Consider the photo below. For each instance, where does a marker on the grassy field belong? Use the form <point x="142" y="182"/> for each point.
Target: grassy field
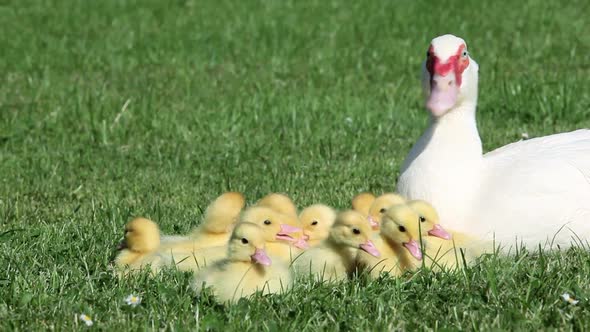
<point x="114" y="109"/>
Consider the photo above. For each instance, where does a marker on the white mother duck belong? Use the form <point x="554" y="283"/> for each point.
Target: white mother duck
<point x="530" y="192"/>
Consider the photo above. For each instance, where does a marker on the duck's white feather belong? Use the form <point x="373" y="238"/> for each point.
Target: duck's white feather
<point x="533" y="192"/>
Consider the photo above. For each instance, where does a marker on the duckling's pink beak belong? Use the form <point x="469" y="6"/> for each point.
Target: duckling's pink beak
<point x="301" y="243"/>
<point x="438" y="231"/>
<point x="261" y="257"/>
<point x="414" y="249"/>
<point x="370" y="248"/>
<point x="284" y="232"/>
<point x="374" y="224"/>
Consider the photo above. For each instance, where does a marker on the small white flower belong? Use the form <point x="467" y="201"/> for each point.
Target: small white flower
<point x="524" y="135"/>
<point x="569" y="299"/>
<point x="348" y="120"/>
<point x="133" y="300"/>
<point x="86" y="319"/>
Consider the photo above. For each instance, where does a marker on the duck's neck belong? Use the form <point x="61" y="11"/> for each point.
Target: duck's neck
<point x="456" y="132"/>
<point x="450" y="139"/>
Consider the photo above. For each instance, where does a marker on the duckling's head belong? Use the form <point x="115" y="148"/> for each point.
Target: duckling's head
<point x="141" y="235"/>
<point x="280" y="203"/>
<point x="429" y="221"/>
<point x="352" y="230"/>
<point x="222" y="214"/>
<point x="316" y="221"/>
<point x="380" y="205"/>
<point x="362" y="202"/>
<point x="276" y="227"/>
<point x="247" y="244"/>
<point x="396" y="225"/>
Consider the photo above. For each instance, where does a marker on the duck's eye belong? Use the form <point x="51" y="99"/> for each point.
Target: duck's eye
<point x="315" y="222"/>
<point x="428" y="54"/>
<point x="465" y="53"/>
<point x="267" y="222"/>
<point x="402" y="229"/>
<point x="382" y="210"/>
<point x="244" y="240"/>
<point x="422" y="219"/>
<point x="356" y="231"/>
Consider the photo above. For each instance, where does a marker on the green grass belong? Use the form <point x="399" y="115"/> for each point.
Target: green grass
<point x="317" y="99"/>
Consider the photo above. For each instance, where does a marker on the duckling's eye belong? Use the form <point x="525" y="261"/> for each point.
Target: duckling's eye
<point x="244" y="240"/>
<point x="315" y="222"/>
<point x="402" y="229"/>
<point x="422" y="219"/>
<point x="356" y="231"/>
<point x="267" y="222"/>
<point x="382" y="210"/>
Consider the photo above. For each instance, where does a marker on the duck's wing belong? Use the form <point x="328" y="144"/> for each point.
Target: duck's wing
<point x="537" y="191"/>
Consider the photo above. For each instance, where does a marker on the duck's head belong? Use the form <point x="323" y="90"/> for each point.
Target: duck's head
<point x="396" y="225"/>
<point x="247" y="244"/>
<point x="316" y="221"/>
<point x="428" y="220"/>
<point x="280" y="203"/>
<point x="222" y="214"/>
<point x="380" y="206"/>
<point x="141" y="235"/>
<point x="449" y="75"/>
<point x="352" y="230"/>
<point x="276" y="227"/>
<point x="362" y="202"/>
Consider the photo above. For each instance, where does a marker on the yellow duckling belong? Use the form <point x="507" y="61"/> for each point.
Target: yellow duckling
<point x="335" y="258"/>
<point x="280" y="203"/>
<point x="380" y="205"/>
<point x="362" y="202"/>
<point x="142" y="239"/>
<point x="219" y="220"/>
<point x="284" y="239"/>
<point x="246" y="270"/>
<point x="316" y="221"/>
<point x="399" y="250"/>
<point x="442" y="248"/>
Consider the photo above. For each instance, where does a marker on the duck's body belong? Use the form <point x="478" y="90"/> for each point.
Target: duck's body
<point x="327" y="262"/>
<point x="335" y="258"/>
<point x="233" y="280"/>
<point x="394" y="258"/>
<point x="362" y="202"/>
<point x="140" y="247"/>
<point x="246" y="270"/>
<point x="399" y="248"/>
<point x="449" y="254"/>
<point x="280" y="203"/>
<point x="530" y="192"/>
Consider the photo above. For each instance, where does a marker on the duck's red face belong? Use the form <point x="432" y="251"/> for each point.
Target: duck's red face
<point x="446" y="75"/>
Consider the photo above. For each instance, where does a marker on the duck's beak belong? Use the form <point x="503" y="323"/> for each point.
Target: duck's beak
<point x="301" y="243"/>
<point x="284" y="232"/>
<point x="374" y="224"/>
<point x="443" y="94"/>
<point x="261" y="257"/>
<point x="370" y="248"/>
<point x="438" y="231"/>
<point x="414" y="249"/>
